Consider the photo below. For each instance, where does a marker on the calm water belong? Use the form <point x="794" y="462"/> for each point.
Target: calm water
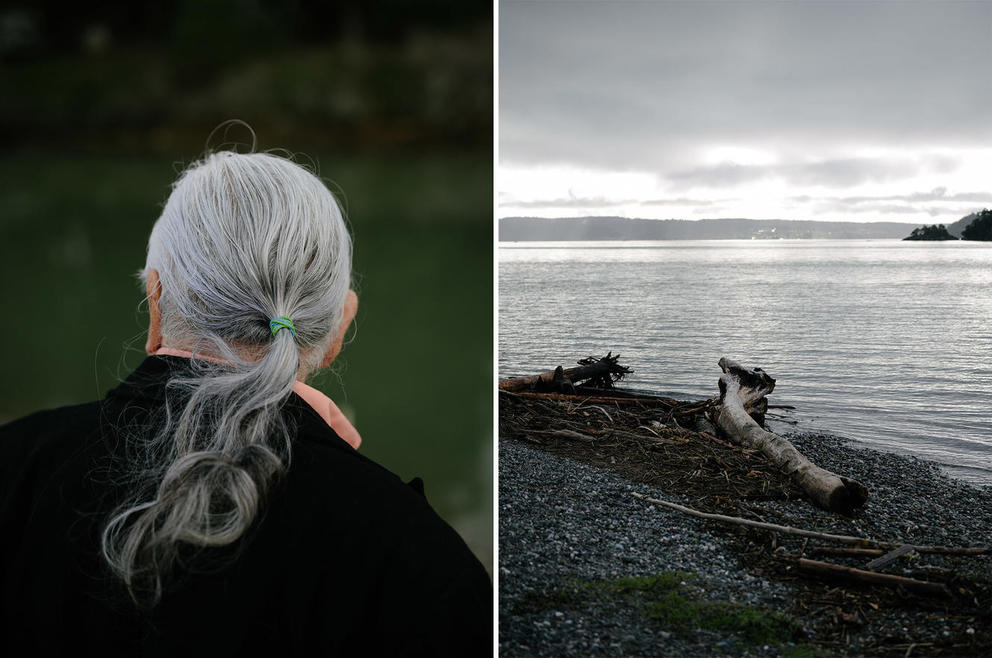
<point x="881" y="341"/>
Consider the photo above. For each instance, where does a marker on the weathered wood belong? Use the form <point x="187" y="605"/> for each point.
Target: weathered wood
<point x="828" y="570"/>
<point x="954" y="550"/>
<point x="878" y="552"/>
<point x="847" y="552"/>
<point x="565" y="434"/>
<point x="889" y="557"/>
<point x="735" y="520"/>
<point x="600" y="372"/>
<point x="742" y="396"/>
<point x="595" y="399"/>
<point x="654" y="438"/>
<point x="839" y="539"/>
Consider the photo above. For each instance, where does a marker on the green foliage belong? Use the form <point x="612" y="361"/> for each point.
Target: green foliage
<point x="980" y="227"/>
<point x="672" y="599"/>
<point x="935" y="232"/>
<point x="426" y="92"/>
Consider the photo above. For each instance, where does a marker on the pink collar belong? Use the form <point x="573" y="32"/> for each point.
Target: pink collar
<point x="323" y="405"/>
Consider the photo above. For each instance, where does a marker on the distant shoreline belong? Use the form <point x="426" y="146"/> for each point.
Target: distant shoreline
<point x="763" y="239"/>
<point x="529" y="229"/>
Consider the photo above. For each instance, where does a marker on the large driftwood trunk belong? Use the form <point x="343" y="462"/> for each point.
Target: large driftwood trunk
<point x="742" y="393"/>
<point x="598" y="372"/>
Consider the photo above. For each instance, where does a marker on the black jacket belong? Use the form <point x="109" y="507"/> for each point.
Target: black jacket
<point x="346" y="559"/>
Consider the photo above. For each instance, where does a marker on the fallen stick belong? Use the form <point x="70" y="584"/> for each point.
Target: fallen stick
<point x="565" y="434"/>
<point x="954" y="550"/>
<point x="847" y="552"/>
<point x="736" y="520"/>
<point x="598" y="399"/>
<point x="826" y="569"/>
<point x="709" y="436"/>
<point x="742" y="395"/>
<point x="840" y="539"/>
<point x="889" y="557"/>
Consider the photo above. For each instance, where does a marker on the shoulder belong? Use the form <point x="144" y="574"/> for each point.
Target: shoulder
<point x="342" y="482"/>
<point x="412" y="569"/>
<point x="46" y="459"/>
<point x="49" y="432"/>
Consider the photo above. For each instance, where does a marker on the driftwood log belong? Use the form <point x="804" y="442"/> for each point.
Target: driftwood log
<point x="829" y="571"/>
<point x="597" y="372"/>
<point x="740" y="416"/>
<point x="886" y="547"/>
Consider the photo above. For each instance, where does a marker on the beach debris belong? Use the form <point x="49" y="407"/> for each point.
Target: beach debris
<point x="774" y="527"/>
<point x="650" y="438"/>
<point x="592" y="371"/>
<point x="737" y="416"/>
<point x="827" y="570"/>
<point x="671" y="447"/>
<point x="890" y="557"/>
<point x="740" y="415"/>
<point x="879" y="552"/>
<point x="885" y="548"/>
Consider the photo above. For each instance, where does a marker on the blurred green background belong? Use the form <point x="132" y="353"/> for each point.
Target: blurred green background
<point x="101" y="105"/>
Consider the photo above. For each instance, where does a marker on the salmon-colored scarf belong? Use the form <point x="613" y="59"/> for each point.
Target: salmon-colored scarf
<point x="323" y="405"/>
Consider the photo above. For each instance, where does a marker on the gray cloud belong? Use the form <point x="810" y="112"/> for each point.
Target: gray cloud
<point x="935" y="203"/>
<point x="722" y="175"/>
<point x="645" y="86"/>
<point x="599" y="202"/>
<point x="571" y="202"/>
<point x="936" y="194"/>
<point x="886" y="209"/>
<point x="681" y="202"/>
<point x="829" y="173"/>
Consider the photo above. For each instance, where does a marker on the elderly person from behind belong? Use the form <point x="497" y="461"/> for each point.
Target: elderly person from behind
<point x="213" y="503"/>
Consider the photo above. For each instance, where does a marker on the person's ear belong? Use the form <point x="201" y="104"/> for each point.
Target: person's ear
<point x="350" y="308"/>
<point x="153" y="290"/>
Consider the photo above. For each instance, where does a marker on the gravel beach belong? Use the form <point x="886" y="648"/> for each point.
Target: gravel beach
<point x="569" y="532"/>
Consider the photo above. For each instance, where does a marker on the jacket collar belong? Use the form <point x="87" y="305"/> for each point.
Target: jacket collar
<point x="313" y="409"/>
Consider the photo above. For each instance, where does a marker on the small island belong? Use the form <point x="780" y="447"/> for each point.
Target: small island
<point x="935" y="232"/>
<point x="980" y="227"/>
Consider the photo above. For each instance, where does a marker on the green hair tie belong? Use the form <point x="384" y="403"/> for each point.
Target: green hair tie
<point x="275" y="324"/>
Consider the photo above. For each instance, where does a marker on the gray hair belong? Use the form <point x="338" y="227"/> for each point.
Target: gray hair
<point x="243" y="238"/>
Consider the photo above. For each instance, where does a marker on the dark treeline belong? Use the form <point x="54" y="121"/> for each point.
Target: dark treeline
<point x="50" y="26"/>
<point x="112" y="76"/>
<point x="976" y="226"/>
<point x="980" y="227"/>
<point x="934" y="232"/>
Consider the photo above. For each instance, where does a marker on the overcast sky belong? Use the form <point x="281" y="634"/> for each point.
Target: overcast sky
<point x="860" y="111"/>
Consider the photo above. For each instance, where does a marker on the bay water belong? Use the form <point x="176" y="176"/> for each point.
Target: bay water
<point x="884" y="342"/>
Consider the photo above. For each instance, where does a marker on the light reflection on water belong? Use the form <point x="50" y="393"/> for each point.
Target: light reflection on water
<point x="884" y="342"/>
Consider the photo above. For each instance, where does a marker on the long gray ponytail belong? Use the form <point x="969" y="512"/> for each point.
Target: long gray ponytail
<point x="243" y="238"/>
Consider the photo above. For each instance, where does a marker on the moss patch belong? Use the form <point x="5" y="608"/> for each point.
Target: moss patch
<point x="665" y="581"/>
<point x="752" y="625"/>
<point x="805" y="651"/>
<point x="673" y="599"/>
<point x="666" y="597"/>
